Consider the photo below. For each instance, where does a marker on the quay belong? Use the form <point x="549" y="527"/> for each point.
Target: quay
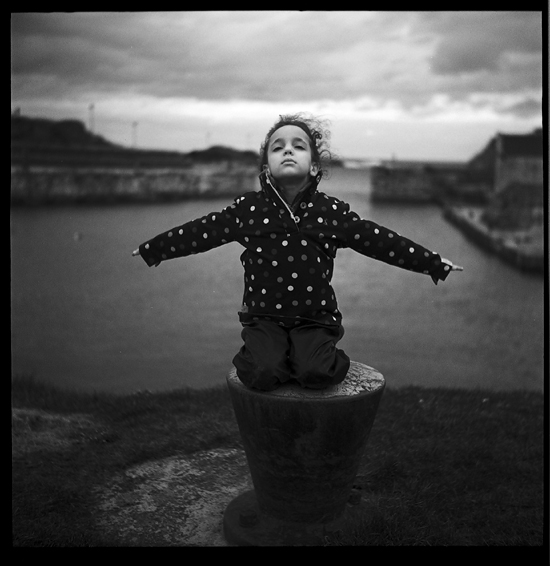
<point x="523" y="249"/>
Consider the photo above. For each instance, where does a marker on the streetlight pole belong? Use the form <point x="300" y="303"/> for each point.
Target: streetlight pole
<point x="91" y="117"/>
<point x="134" y="134"/>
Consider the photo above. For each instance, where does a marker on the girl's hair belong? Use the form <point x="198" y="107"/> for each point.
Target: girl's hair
<point x="318" y="133"/>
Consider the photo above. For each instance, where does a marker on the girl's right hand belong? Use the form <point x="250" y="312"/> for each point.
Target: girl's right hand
<point x="136" y="252"/>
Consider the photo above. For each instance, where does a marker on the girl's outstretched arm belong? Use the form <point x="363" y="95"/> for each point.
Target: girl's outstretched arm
<point x="383" y="244"/>
<point x="196" y="236"/>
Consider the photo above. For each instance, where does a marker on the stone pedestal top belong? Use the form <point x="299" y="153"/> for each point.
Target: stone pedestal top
<point x="360" y="379"/>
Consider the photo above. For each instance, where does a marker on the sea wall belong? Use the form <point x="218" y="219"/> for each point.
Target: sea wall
<point x="523" y="249"/>
<point x="427" y="182"/>
<point x="402" y="185"/>
<point x="55" y="185"/>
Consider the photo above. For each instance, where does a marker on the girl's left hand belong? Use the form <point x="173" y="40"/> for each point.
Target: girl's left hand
<point x="451" y="265"/>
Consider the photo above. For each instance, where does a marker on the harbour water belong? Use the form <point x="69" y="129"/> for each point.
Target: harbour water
<point x="86" y="314"/>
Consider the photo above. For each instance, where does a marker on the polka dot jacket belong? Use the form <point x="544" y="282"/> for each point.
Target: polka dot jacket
<point x="289" y="251"/>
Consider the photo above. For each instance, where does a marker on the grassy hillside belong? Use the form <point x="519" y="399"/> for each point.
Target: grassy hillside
<point x="40" y="141"/>
<point x="446" y="467"/>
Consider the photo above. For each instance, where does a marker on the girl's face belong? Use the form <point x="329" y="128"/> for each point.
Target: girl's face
<point x="289" y="155"/>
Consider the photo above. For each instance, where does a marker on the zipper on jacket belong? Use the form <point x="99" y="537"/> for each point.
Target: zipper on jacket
<point x="296" y="219"/>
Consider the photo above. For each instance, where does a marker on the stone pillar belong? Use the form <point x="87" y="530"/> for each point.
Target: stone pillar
<point x="303" y="448"/>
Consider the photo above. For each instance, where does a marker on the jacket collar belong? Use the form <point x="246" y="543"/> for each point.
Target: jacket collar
<point x="269" y="184"/>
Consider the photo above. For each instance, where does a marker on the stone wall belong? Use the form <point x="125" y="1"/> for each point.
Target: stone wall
<point x="518" y="169"/>
<point x="429" y="183"/>
<point x="403" y="185"/>
<point x="43" y="185"/>
<point x="518" y="206"/>
<point x="522" y="248"/>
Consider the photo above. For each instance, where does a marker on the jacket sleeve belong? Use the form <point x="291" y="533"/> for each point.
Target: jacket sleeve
<point x="384" y="244"/>
<point x="199" y="235"/>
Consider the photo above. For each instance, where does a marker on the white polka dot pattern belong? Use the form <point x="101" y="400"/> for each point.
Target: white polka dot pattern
<point x="289" y="258"/>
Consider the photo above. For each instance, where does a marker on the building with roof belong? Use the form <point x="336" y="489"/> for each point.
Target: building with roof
<point x="513" y="167"/>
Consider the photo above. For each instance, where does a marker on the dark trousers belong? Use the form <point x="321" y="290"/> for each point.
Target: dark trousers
<point x="273" y="354"/>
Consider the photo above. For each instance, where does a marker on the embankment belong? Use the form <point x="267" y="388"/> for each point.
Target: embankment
<point x="426" y="182"/>
<point x="38" y="184"/>
<point x="522" y="249"/>
<point x="401" y="185"/>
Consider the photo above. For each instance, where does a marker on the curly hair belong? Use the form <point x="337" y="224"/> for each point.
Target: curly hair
<point x="318" y="133"/>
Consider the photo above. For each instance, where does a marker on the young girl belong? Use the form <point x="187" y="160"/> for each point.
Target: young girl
<point x="291" y="232"/>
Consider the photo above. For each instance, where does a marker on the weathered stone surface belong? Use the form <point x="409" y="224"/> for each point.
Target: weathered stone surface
<point x="523" y="249"/>
<point x="303" y="447"/>
<point x="40" y="185"/>
<point x="177" y="501"/>
<point x="360" y="378"/>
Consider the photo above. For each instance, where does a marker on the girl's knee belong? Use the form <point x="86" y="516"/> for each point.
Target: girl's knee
<point x="264" y="378"/>
<point x="263" y="381"/>
<point x="322" y="372"/>
<point x="262" y="362"/>
<point x="262" y="366"/>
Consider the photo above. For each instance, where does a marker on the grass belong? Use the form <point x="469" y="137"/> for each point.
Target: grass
<point x="442" y="467"/>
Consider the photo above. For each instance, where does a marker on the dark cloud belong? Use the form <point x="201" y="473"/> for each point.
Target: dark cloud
<point x="68" y="53"/>
<point x="478" y="41"/>
<point x="214" y="55"/>
<point x="485" y="52"/>
<point x="525" y="109"/>
<point x="277" y="56"/>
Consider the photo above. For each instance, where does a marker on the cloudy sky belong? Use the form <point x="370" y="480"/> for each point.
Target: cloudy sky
<point x="410" y="85"/>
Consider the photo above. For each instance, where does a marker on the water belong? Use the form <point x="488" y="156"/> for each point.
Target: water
<point x="86" y="314"/>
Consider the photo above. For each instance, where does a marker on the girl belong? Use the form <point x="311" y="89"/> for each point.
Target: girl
<point x="291" y="232"/>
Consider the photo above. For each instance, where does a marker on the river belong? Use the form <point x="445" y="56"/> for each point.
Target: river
<point x="87" y="315"/>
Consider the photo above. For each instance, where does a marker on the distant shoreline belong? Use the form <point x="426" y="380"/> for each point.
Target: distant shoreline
<point x="43" y="185"/>
<point x="523" y="249"/>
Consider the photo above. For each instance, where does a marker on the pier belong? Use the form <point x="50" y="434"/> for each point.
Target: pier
<point x="522" y="248"/>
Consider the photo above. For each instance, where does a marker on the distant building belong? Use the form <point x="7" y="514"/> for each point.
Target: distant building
<point x="506" y="177"/>
<point x="512" y="165"/>
<point x="510" y="158"/>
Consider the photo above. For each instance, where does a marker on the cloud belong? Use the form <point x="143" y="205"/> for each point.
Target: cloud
<point x="479" y="41"/>
<point x="210" y="55"/>
<point x="524" y="108"/>
<point x="213" y="66"/>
